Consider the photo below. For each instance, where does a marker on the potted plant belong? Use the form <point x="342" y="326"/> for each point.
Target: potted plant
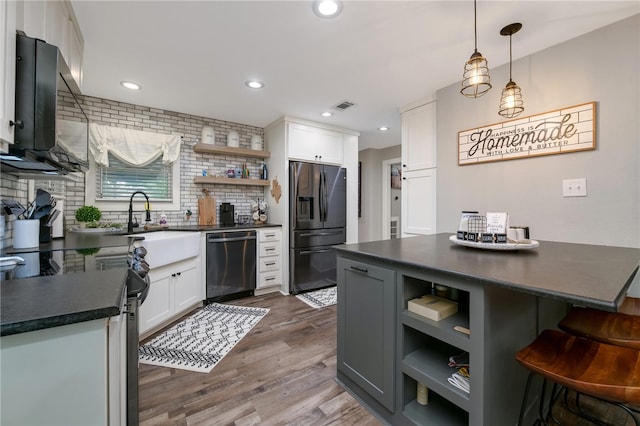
<point x="88" y="216"/>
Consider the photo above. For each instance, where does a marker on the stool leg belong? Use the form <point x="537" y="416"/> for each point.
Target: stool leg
<point x="630" y="411"/>
<point x="541" y="415"/>
<point x="582" y="413"/>
<point x="524" y="398"/>
<point x="586" y="415"/>
<point x="554" y="397"/>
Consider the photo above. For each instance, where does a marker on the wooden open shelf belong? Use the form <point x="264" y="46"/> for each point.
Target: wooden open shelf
<point x="230" y="181"/>
<point x="205" y="148"/>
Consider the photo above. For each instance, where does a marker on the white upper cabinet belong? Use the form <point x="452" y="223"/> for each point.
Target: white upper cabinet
<point x="7" y="71"/>
<point x="54" y="22"/>
<point x="419" y="170"/>
<point x="419" y="137"/>
<point x="314" y="144"/>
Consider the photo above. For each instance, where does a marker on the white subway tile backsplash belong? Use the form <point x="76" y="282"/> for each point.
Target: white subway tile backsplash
<point x="138" y="117"/>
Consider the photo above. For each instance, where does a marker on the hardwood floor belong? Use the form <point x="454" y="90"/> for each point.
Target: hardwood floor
<point x="281" y="373"/>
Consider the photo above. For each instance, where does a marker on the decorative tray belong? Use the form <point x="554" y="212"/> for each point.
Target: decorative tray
<point x="495" y="246"/>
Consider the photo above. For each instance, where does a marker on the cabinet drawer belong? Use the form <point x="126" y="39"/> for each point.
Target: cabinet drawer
<point x="271" y="263"/>
<point x="267" y="279"/>
<point x="270" y="249"/>
<point x="266" y="235"/>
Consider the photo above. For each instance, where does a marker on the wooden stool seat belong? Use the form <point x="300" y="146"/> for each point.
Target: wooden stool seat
<point x="608" y="372"/>
<point x="607" y="327"/>
<point x="630" y="306"/>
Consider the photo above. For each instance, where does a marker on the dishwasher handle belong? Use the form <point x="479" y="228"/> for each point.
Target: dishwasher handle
<point x="213" y="239"/>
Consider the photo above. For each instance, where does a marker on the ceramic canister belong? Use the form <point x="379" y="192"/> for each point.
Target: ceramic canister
<point x="233" y="139"/>
<point x="208" y="135"/>
<point x="256" y="142"/>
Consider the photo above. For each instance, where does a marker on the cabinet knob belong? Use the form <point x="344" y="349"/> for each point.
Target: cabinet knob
<point x="173" y="275"/>
<point x="179" y="273"/>
<point x="19" y="124"/>
<point x="404" y="165"/>
<point x="404" y="178"/>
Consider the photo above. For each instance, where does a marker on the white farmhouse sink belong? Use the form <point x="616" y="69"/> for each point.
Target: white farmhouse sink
<point x="165" y="247"/>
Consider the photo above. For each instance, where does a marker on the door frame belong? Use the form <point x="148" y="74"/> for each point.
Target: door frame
<point x="386" y="195"/>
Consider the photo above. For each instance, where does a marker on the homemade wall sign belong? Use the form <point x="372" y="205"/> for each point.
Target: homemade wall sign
<point x="560" y="131"/>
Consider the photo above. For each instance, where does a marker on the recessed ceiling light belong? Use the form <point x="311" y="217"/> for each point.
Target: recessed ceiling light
<point x="254" y="84"/>
<point x="131" y="85"/>
<point x="326" y="114"/>
<point x="383" y="128"/>
<point x="327" y="8"/>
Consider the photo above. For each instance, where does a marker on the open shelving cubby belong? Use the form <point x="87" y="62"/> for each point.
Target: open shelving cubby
<point x="426" y="346"/>
<point x="438" y="411"/>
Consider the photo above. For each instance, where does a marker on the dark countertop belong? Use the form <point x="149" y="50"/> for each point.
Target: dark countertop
<point x="85" y="240"/>
<point x="590" y="275"/>
<point x="41" y="302"/>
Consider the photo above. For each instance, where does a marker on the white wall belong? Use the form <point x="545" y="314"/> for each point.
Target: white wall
<point x="602" y="66"/>
<point x="370" y="223"/>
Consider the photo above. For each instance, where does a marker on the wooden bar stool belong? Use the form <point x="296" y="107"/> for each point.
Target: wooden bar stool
<point x="630" y="306"/>
<point x="606" y="372"/>
<point x="613" y="328"/>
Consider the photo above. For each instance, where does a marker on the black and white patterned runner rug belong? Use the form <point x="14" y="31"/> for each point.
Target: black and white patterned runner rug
<point x="199" y="342"/>
<point x="320" y="298"/>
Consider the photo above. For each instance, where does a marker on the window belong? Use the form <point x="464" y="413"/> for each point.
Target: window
<point x="120" y="180"/>
<point x="110" y="188"/>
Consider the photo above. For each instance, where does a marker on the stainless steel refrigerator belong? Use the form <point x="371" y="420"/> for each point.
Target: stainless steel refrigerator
<point x="318" y="219"/>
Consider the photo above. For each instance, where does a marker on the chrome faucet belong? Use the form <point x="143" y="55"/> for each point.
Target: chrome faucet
<point x="146" y="208"/>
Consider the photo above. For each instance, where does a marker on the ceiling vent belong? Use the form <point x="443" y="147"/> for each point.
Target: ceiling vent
<point x="343" y="105"/>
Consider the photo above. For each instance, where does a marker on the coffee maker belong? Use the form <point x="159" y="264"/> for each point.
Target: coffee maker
<point x="227" y="214"/>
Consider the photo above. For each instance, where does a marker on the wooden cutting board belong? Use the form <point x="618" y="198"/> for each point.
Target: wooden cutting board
<point x="207" y="210"/>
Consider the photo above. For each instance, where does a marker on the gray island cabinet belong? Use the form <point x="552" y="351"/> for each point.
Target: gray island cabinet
<point x="505" y="298"/>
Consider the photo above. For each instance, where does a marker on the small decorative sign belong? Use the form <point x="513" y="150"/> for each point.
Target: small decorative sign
<point x="560" y="131"/>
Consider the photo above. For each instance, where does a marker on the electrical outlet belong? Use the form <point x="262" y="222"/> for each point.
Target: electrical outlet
<point x="574" y="187"/>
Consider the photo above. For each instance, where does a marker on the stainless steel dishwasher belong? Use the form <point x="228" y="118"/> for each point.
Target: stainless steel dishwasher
<point x="231" y="265"/>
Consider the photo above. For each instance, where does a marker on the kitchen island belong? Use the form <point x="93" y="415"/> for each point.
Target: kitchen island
<point x="505" y="298"/>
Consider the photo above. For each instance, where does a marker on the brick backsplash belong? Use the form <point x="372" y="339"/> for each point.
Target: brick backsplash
<point x="189" y="127"/>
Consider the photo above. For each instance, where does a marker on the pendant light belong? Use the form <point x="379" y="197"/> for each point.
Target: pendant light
<point x="475" y="79"/>
<point x="511" y="104"/>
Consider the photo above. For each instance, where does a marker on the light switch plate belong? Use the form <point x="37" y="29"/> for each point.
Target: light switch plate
<point x="574" y="187"/>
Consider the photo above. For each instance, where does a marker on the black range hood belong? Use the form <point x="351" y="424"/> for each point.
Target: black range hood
<point x="39" y="149"/>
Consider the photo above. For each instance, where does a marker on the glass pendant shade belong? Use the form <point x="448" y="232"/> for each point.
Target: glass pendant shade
<point x="511" y="104"/>
<point x="475" y="80"/>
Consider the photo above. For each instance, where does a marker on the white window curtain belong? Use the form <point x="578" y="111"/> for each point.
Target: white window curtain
<point x="134" y="147"/>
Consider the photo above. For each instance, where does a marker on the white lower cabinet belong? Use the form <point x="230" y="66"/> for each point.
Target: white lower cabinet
<point x="269" y="258"/>
<point x="174" y="289"/>
<point x="58" y="376"/>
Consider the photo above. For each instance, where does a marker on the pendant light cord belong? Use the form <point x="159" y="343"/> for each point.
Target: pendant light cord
<point x="475" y="27"/>
<point x="510" y="60"/>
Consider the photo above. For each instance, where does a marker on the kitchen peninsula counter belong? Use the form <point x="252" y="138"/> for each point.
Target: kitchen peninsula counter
<point x="505" y="298"/>
<point x="590" y="275"/>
